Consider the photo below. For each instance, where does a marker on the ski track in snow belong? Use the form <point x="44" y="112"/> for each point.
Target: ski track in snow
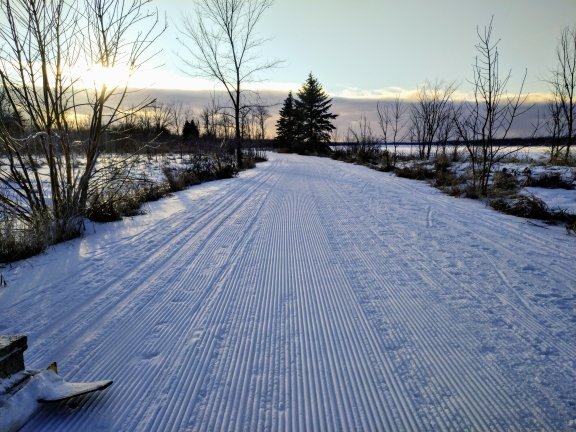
<point x="307" y="294"/>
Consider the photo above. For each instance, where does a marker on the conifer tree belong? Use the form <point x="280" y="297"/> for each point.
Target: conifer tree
<point x="313" y="105"/>
<point x="190" y="131"/>
<point x="288" y="125"/>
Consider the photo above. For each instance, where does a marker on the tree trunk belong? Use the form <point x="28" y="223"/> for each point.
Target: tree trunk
<point x="238" y="135"/>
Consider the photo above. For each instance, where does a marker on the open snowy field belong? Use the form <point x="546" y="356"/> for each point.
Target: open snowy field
<point x="306" y="294"/>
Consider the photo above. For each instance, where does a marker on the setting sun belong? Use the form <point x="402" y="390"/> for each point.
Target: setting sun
<point x="97" y="76"/>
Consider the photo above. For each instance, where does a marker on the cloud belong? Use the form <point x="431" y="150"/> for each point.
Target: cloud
<point x="164" y="79"/>
<point x="388" y="93"/>
<point x="411" y="95"/>
<point x="350" y="110"/>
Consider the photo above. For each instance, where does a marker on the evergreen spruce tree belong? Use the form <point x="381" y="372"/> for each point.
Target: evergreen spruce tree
<point x="288" y="125"/>
<point x="190" y="131"/>
<point x="313" y="106"/>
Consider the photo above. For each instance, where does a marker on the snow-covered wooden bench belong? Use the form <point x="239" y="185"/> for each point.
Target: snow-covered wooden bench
<point x="21" y="390"/>
<point x="12" y="354"/>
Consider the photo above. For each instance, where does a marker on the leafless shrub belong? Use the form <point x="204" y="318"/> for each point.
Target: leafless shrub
<point x="113" y="205"/>
<point x="20" y="240"/>
<point x="562" y="107"/>
<point x="447" y="179"/>
<point x="549" y="181"/>
<point x="528" y="206"/>
<point x="252" y="157"/>
<point x="442" y="162"/>
<point x="415" y="171"/>
<point x="43" y="45"/>
<point x="484" y="124"/>
<point x="504" y="181"/>
<point x="179" y="179"/>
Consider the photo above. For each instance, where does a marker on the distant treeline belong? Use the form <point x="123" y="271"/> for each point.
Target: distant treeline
<point x="507" y="142"/>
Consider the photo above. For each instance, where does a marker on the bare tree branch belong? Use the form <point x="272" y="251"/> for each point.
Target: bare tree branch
<point x="484" y="123"/>
<point x="46" y="43"/>
<point x="222" y="44"/>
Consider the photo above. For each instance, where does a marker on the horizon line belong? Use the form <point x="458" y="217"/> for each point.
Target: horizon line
<point x="352" y="93"/>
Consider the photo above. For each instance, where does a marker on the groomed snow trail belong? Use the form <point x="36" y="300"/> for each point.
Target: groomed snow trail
<point x="307" y="294"/>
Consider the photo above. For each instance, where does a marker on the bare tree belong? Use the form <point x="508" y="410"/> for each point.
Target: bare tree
<point x="431" y="114"/>
<point x="10" y="120"/>
<point x="34" y="87"/>
<point x="44" y="44"/>
<point x="109" y="45"/>
<point x="178" y="114"/>
<point x="486" y="121"/>
<point x="555" y="128"/>
<point x="363" y="144"/>
<point x="224" y="47"/>
<point x="154" y="121"/>
<point x="384" y="121"/>
<point x="335" y="136"/>
<point x="210" y="116"/>
<point x="360" y="133"/>
<point x="261" y="114"/>
<point x="247" y="121"/>
<point x="254" y="114"/>
<point x="448" y="132"/>
<point x="563" y="103"/>
<point x="390" y="120"/>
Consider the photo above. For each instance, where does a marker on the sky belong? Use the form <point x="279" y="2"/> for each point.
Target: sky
<point x="363" y="51"/>
<point x="374" y="48"/>
<point x="367" y="50"/>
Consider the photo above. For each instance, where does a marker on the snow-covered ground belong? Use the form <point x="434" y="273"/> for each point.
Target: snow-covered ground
<point x="555" y="199"/>
<point x="306" y="294"/>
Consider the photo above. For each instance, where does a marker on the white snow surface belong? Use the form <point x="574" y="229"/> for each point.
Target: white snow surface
<point x="555" y="199"/>
<point x="17" y="406"/>
<point x="307" y="294"/>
